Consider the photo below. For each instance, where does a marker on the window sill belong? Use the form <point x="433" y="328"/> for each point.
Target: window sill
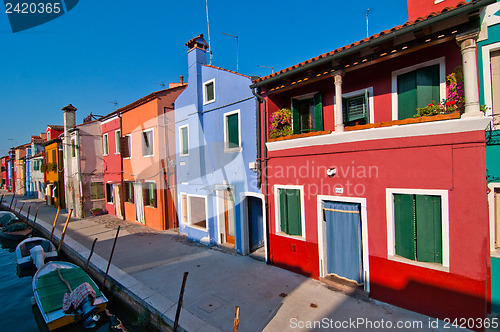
<point x="204" y="229"/>
<point x="295" y="237"/>
<point x="148" y="155"/>
<point x="208" y="102"/>
<point x="432" y="266"/>
<point x="312" y="133"/>
<point x="438" y="117"/>
<point x="232" y="150"/>
<point x="150" y="206"/>
<point x="130" y="203"/>
<point x="495" y="253"/>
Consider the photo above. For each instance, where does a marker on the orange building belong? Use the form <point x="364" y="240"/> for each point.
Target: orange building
<point x="54" y="173"/>
<point x="148" y="152"/>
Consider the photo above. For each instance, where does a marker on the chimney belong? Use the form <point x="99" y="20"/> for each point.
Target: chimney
<point x="69" y="117"/>
<point x="197" y="51"/>
<point x="182" y="79"/>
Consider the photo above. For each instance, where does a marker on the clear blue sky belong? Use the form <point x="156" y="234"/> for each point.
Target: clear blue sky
<point x="119" y="50"/>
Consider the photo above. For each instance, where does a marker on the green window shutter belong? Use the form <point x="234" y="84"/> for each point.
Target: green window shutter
<point x="318" y="112"/>
<point x="407" y="95"/>
<point x="404" y="224"/>
<point x="345" y="110"/>
<point x="283" y="211"/>
<point x="367" y="107"/>
<point x="429" y="234"/>
<point x="293" y="212"/>
<point x="233" y="139"/>
<point x="295" y="117"/>
<point x="427" y="79"/>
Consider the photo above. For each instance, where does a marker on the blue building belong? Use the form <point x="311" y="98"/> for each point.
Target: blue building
<point x="219" y="202"/>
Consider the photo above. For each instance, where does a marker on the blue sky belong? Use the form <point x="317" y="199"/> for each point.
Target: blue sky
<point x="118" y="51"/>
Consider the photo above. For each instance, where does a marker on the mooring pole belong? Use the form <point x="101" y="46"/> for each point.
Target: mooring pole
<point x="34" y="221"/>
<point x="91" y="252"/>
<point x="110" y="257"/>
<point x="12" y="200"/>
<point x="236" y="319"/>
<point x="22" y="205"/>
<point x="54" y="225"/>
<point x="1" y="200"/>
<point x="64" y="230"/>
<point x="179" y="303"/>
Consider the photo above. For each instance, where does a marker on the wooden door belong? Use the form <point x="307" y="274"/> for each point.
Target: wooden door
<point x="229" y="215"/>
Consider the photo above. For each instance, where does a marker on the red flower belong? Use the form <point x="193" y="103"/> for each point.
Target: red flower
<point x="450" y="102"/>
<point x="430" y="104"/>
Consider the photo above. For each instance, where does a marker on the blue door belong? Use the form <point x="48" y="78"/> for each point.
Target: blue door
<point x="255" y="220"/>
<point x="344" y="250"/>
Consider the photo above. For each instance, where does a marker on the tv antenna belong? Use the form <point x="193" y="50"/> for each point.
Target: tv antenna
<point x="367" y="13"/>
<point x="208" y="26"/>
<point x="272" y="68"/>
<point x="236" y="48"/>
<point x="161" y="84"/>
<point x="113" y="102"/>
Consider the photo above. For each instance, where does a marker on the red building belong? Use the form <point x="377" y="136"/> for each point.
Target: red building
<point x="53" y="131"/>
<point x="111" y="132"/>
<point x="5" y="172"/>
<point x="362" y="190"/>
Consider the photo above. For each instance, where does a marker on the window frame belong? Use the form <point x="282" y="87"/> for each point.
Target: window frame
<point x="146" y="188"/>
<point x="277" y="211"/>
<point x="205" y="101"/>
<point x="103" y="191"/>
<point x="181" y="141"/>
<point x="129" y="146"/>
<point x="317" y="126"/>
<point x="118" y="135"/>
<point x="127" y="191"/>
<point x="356" y="93"/>
<point x="226" y="131"/>
<point x="189" y="222"/>
<point x="445" y="232"/>
<point x="73" y="147"/>
<point x="112" y="201"/>
<point x="494" y="252"/>
<point x="105" y="144"/>
<point x="394" y="81"/>
<point x="152" y="144"/>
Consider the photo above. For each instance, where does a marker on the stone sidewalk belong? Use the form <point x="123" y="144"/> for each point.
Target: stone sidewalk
<point x="148" y="267"/>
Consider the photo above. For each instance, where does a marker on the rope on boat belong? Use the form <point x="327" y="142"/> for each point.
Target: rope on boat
<point x="64" y="280"/>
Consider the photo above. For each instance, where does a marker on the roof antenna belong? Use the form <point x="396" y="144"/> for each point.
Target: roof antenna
<point x="236" y="48"/>
<point x="161" y="84"/>
<point x="367" y="13"/>
<point x="208" y="25"/>
<point x="272" y="68"/>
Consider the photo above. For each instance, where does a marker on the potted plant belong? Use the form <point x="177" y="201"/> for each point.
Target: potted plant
<point x="281" y="123"/>
<point x="96" y="211"/>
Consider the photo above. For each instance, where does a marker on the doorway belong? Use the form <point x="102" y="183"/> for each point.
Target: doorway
<point x="255" y="223"/>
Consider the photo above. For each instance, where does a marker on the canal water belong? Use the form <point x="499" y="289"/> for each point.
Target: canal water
<point x="18" y="314"/>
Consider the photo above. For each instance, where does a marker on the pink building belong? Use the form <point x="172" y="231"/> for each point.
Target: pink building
<point x="111" y="134"/>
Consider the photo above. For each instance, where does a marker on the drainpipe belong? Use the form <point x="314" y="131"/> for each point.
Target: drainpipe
<point x="122" y="186"/>
<point x="79" y="172"/>
<point x="263" y="173"/>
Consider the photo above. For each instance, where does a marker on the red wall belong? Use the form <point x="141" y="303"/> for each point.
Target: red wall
<point x="452" y="162"/>
<point x="112" y="162"/>
<point x="422" y="8"/>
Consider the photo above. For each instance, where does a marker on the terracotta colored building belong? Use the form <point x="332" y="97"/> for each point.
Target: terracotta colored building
<point x="361" y="189"/>
<point x="5" y="172"/>
<point x="148" y="152"/>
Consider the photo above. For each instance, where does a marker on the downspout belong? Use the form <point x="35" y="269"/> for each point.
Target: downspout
<point x="122" y="186"/>
<point x="79" y="173"/>
<point x="259" y="158"/>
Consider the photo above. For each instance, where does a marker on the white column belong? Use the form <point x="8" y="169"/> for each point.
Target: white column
<point x="339" y="118"/>
<point x="468" y="47"/>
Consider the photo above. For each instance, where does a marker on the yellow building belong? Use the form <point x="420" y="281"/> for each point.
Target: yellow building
<point x="54" y="173"/>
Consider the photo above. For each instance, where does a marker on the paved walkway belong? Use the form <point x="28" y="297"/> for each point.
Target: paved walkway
<point x="149" y="266"/>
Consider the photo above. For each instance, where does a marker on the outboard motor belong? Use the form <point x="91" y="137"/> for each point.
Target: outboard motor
<point x="86" y="312"/>
<point x="38" y="256"/>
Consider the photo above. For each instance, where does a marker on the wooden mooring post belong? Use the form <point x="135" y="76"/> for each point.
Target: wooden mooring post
<point x="54" y="225"/>
<point x="28" y="215"/>
<point x="22" y="205"/>
<point x="12" y="200"/>
<point x="34" y="221"/>
<point x="90" y="255"/>
<point x="64" y="230"/>
<point x="1" y="200"/>
<point x="110" y="257"/>
<point x="236" y="319"/>
<point x="179" y="303"/>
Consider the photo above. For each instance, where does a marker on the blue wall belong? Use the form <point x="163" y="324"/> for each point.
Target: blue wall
<point x="208" y="167"/>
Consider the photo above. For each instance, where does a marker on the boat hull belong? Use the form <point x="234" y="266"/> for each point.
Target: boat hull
<point x="23" y="256"/>
<point x="46" y="283"/>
